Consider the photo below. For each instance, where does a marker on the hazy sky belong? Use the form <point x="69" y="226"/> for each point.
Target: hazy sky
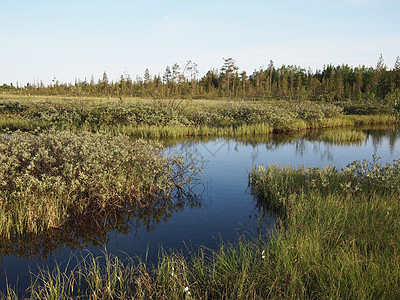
<point x="76" y="39"/>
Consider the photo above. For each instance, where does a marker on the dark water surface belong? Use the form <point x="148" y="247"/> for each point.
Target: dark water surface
<point x="225" y="210"/>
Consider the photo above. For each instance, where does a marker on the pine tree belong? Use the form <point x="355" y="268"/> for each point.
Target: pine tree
<point x="283" y="82"/>
<point x="104" y="84"/>
<point x="122" y="86"/>
<point x="167" y="75"/>
<point x="147" y="77"/>
<point x="271" y="69"/>
<point x="380" y="65"/>
<point x="397" y="73"/>
<point x="227" y="70"/>
<point x="397" y="64"/>
<point x="243" y="77"/>
<point x="192" y="68"/>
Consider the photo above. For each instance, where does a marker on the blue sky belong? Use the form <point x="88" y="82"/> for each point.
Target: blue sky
<point x="76" y="39"/>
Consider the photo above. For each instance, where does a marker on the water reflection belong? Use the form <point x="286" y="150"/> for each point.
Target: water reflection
<point x="228" y="210"/>
<point x="300" y="141"/>
<point x="87" y="231"/>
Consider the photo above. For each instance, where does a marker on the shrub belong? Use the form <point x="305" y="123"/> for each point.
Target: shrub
<point x="49" y="177"/>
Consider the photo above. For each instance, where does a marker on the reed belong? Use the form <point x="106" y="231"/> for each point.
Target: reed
<point x="342" y="136"/>
<point x="176" y="131"/>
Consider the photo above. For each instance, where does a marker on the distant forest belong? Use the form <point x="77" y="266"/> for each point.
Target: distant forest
<point x="331" y="84"/>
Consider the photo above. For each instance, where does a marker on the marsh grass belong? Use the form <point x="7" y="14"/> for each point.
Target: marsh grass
<point x="342" y="137"/>
<point x="177" y="131"/>
<point x="341" y="229"/>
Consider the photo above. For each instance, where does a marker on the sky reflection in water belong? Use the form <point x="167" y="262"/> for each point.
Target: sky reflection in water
<point x="227" y="208"/>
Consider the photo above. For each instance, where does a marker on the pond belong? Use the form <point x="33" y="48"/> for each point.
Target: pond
<point x="224" y="210"/>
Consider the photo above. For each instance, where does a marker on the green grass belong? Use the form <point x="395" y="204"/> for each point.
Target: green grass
<point x="342" y="137"/>
<point x="340" y="238"/>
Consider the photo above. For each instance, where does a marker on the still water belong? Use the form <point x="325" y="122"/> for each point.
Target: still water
<point x="224" y="209"/>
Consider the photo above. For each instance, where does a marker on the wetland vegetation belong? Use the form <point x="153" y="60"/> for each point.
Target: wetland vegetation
<point x="152" y="119"/>
<point x="71" y="173"/>
<point x="78" y="161"/>
<point x="51" y="181"/>
<point x="270" y="100"/>
<point x="338" y="236"/>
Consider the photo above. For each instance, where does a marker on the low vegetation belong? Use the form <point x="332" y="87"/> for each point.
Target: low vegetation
<point x="51" y="178"/>
<point x="171" y="119"/>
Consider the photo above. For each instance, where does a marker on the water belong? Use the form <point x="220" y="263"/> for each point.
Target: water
<point x="225" y="210"/>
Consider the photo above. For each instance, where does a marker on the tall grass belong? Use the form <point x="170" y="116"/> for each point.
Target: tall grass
<point x="340" y="237"/>
<point x="342" y="137"/>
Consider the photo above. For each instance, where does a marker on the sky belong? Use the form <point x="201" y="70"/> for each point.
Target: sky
<point x="75" y="39"/>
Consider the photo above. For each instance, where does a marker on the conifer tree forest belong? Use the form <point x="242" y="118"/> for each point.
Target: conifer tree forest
<point x="287" y="82"/>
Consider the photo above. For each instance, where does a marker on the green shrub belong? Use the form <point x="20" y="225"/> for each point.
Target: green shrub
<point x="50" y="177"/>
<point x="367" y="108"/>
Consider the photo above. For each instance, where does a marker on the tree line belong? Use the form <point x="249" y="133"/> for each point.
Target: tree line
<point x="332" y="83"/>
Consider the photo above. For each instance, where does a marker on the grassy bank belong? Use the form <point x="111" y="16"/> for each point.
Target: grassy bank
<point x="53" y="178"/>
<point x="175" y="118"/>
<point x="338" y="238"/>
